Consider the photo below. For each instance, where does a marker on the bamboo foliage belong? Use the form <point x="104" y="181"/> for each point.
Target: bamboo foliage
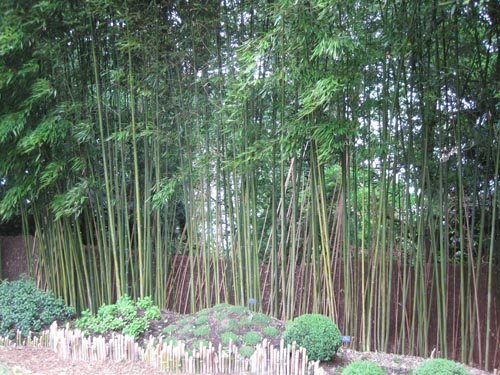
<point x="335" y="157"/>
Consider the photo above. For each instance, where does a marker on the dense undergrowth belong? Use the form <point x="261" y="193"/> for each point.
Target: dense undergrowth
<point x="26" y="308"/>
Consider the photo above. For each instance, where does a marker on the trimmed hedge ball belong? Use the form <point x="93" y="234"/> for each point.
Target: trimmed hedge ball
<point x="439" y="366"/>
<point x="316" y="333"/>
<point x="363" y="368"/>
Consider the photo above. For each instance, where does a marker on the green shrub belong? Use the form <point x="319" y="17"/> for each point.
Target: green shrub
<point x="186" y="330"/>
<point x="203" y="319"/>
<point x="185" y="321"/>
<point x="145" y="303"/>
<point x="316" y="333"/>
<point x="271" y="331"/>
<point x="26" y="308"/>
<point x="245" y="322"/>
<point x="201" y="331"/>
<point x="136" y="327"/>
<point x="252" y="338"/>
<point x="127" y="316"/>
<point x="226" y="337"/>
<point x="170" y="340"/>
<point x="261" y="319"/>
<point x="363" y="368"/>
<point x="169" y="329"/>
<point x="229" y="325"/>
<point x="220" y="315"/>
<point x="440" y="366"/>
<point x="220" y="306"/>
<point x="153" y="313"/>
<point x="246" y="351"/>
<point x="199" y="344"/>
<point x="237" y="309"/>
<point x="205" y="312"/>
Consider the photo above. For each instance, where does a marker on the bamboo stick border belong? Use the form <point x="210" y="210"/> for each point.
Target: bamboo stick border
<point x="172" y="358"/>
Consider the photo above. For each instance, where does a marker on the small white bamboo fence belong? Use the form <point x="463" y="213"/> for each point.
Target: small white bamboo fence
<point x="173" y="358"/>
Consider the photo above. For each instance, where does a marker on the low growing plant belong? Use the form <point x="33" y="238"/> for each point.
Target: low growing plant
<point x="440" y="366"/>
<point x="316" y="333"/>
<point x="126" y="316"/>
<point x="271" y="331"/>
<point x="262" y="319"/>
<point x="227" y="337"/>
<point x="203" y="319"/>
<point x="136" y="327"/>
<point x="252" y="338"/>
<point x="199" y="344"/>
<point x="26" y="308"/>
<point x="170" y="340"/>
<point x="201" y="331"/>
<point x="246" y="351"/>
<point x="363" y="368"/>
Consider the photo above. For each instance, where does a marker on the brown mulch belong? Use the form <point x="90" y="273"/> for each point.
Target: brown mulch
<point x="43" y="361"/>
<point x="392" y="363"/>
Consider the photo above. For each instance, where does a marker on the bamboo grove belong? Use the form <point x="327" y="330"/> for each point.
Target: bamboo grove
<point x="339" y="157"/>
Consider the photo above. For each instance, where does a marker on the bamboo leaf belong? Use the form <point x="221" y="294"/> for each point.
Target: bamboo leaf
<point x="163" y="192"/>
<point x="52" y="173"/>
<point x="11" y="125"/>
<point x="51" y="130"/>
<point x="70" y="203"/>
<point x="318" y="95"/>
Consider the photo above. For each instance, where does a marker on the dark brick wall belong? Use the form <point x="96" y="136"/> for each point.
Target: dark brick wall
<point x="13" y="261"/>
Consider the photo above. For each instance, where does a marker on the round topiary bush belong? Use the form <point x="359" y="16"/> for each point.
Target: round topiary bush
<point x="440" y="366"/>
<point x="363" y="368"/>
<point x="316" y="333"/>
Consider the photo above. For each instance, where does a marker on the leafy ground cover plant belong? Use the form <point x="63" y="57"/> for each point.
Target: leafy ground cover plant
<point x="126" y="316"/>
<point x="224" y="324"/>
<point x="27" y="308"/>
<point x="363" y="368"/>
<point x="440" y="366"/>
<point x="316" y="333"/>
